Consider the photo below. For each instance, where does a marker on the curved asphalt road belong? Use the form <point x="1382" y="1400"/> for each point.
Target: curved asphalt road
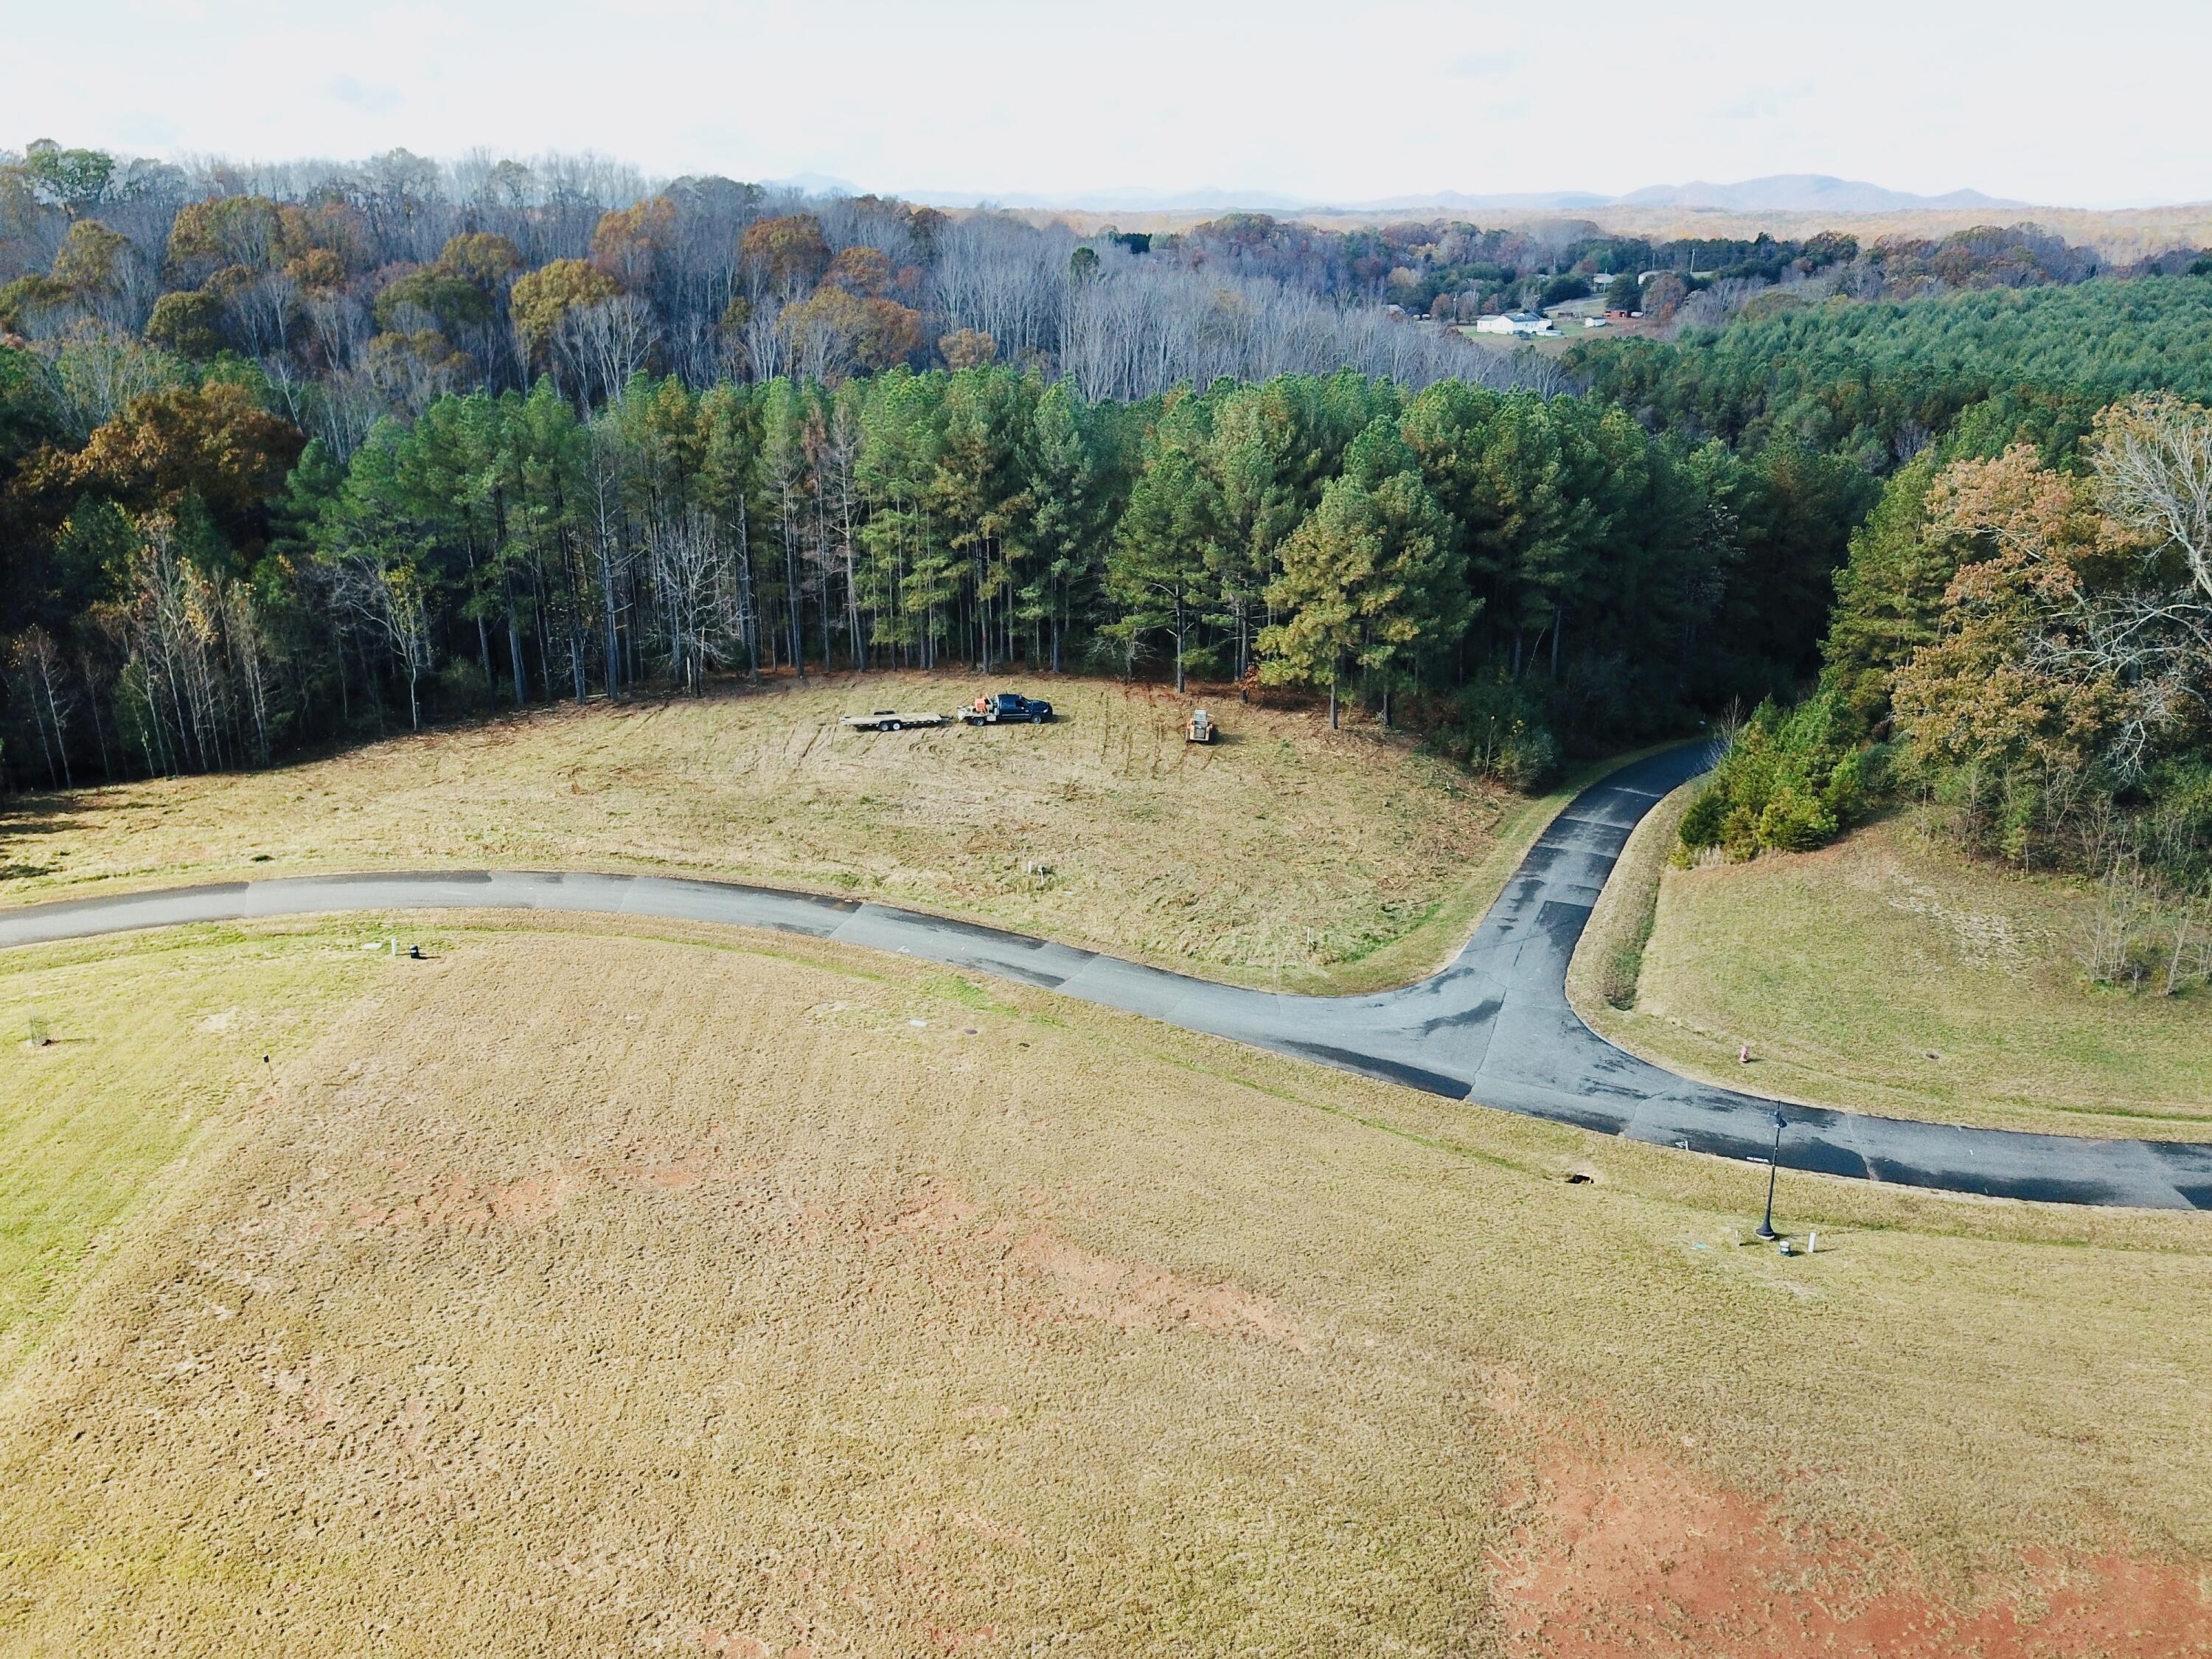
<point x="1494" y="1027"/>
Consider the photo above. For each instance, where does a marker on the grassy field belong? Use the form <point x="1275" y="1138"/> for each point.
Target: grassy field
<point x="1887" y="973"/>
<point x="93" y="1121"/>
<point x="1285" y="854"/>
<point x="584" y="1290"/>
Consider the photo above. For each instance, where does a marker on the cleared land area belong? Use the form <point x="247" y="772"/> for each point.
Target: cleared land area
<point x="1887" y="973"/>
<point x="582" y="1290"/>
<point x="1283" y="854"/>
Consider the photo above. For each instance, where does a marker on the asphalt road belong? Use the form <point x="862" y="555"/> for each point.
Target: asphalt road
<point x="1493" y="1028"/>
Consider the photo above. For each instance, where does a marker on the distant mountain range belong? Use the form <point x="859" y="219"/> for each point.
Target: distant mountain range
<point x="1783" y="192"/>
<point x="1212" y="199"/>
<point x="1802" y="192"/>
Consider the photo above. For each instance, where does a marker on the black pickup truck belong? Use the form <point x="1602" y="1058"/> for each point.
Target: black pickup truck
<point x="1006" y="707"/>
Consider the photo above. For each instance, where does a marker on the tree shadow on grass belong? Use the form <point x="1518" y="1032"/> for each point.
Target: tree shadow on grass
<point x="25" y="820"/>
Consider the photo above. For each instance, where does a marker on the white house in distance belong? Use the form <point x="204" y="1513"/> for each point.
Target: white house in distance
<point x="1517" y="322"/>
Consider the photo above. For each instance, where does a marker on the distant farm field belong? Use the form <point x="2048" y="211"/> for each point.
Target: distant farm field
<point x="585" y="1289"/>
<point x="1285" y="854"/>
<point x="1889" y="974"/>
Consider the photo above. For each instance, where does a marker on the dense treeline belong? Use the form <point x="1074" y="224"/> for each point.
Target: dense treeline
<point x="2023" y="638"/>
<point x="195" y="584"/>
<point x="1458" y="272"/>
<point x="1769" y="274"/>
<point x="1880" y="380"/>
<point x="372" y="291"/>
<point x="360" y="291"/>
<point x="293" y="456"/>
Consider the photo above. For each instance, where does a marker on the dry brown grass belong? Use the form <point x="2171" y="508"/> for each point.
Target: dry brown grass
<point x="1889" y="974"/>
<point x="1286" y="853"/>
<point x="582" y="1292"/>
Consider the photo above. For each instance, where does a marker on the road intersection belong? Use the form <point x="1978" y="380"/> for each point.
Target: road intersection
<point x="1494" y="1027"/>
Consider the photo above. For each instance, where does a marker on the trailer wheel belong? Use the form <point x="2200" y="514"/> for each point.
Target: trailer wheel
<point x="891" y="726"/>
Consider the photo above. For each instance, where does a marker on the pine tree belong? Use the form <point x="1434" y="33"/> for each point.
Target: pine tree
<point x="1373" y="574"/>
<point x="1168" y="535"/>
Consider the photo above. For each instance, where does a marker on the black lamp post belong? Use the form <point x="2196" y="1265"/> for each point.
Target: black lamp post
<point x="1773" y="1164"/>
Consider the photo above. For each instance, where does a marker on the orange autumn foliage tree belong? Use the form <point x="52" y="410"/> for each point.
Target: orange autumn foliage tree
<point x="628" y="242"/>
<point x="787" y="255"/>
<point x="212" y="442"/>
<point x="541" y="299"/>
<point x="2067" y="694"/>
<point x="1988" y="688"/>
<point x="834" y="332"/>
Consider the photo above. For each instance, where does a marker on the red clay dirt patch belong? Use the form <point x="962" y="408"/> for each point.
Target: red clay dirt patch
<point x="1629" y="1554"/>
<point x="456" y="1204"/>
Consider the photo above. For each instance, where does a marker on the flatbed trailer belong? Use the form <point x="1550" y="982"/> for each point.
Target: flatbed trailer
<point x="891" y="719"/>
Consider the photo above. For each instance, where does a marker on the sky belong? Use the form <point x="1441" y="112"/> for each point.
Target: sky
<point x="2027" y="100"/>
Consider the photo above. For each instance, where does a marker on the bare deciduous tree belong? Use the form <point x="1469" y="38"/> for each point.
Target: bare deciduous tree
<point x="605" y="342"/>
<point x="98" y="370"/>
<point x="2154" y="463"/>
<point x="40" y="683"/>
<point x="695" y="582"/>
<point x="389" y="601"/>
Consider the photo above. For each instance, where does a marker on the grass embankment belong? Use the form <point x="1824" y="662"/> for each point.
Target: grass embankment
<point x="1286" y="854"/>
<point x="1610" y="960"/>
<point x="1889" y="974"/>
<point x="580" y="1291"/>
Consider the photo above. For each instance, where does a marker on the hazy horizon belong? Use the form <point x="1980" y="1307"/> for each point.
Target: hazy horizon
<point x="978" y="98"/>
